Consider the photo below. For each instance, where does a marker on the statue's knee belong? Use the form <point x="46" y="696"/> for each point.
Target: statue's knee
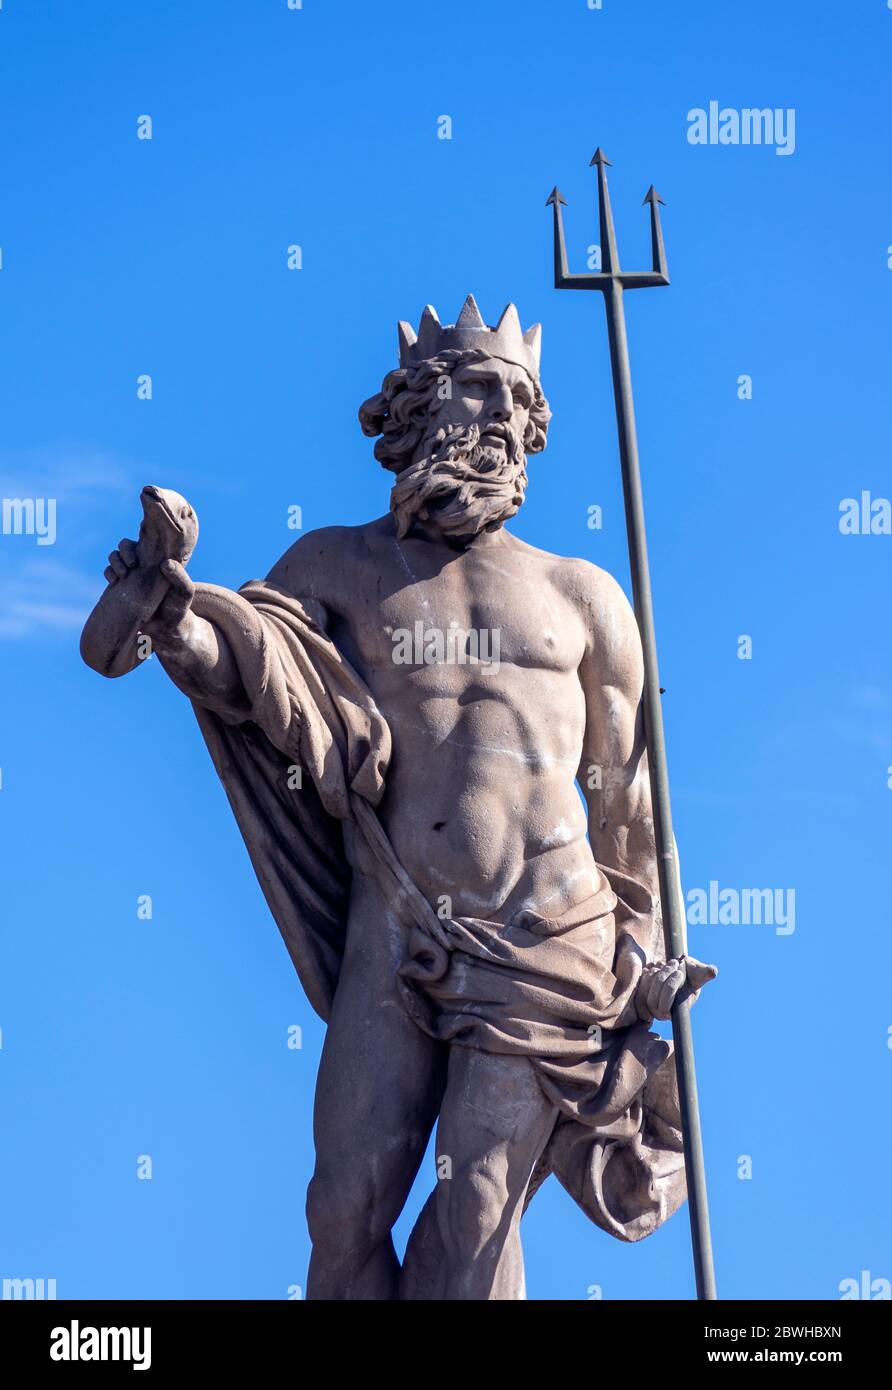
<point x="340" y="1215"/>
<point x="328" y="1215"/>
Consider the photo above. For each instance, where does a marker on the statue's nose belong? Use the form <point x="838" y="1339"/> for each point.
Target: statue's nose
<point x="501" y="404"/>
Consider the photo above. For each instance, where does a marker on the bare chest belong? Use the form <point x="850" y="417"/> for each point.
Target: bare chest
<point x="411" y="608"/>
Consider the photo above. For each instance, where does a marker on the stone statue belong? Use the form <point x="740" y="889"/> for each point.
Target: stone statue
<point x="403" y="715"/>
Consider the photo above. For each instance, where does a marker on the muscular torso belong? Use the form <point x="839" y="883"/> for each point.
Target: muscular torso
<point x="481" y="803"/>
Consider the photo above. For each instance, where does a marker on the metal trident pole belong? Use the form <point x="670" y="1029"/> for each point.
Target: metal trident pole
<point x="612" y="281"/>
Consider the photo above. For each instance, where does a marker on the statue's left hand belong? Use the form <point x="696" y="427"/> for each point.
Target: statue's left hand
<point x="661" y="985"/>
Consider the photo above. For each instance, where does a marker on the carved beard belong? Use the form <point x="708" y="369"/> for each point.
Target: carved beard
<point x="461" y="487"/>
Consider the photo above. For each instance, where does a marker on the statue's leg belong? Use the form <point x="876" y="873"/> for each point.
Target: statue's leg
<point x="379" y="1088"/>
<point x="494" y="1124"/>
<point x="421" y="1279"/>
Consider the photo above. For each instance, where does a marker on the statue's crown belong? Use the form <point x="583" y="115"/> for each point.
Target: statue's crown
<point x="507" y="340"/>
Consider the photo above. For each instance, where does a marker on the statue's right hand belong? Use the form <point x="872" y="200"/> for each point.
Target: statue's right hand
<point x="169" y="616"/>
<point x="121" y="561"/>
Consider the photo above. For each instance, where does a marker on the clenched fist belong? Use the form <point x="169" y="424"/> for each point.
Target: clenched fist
<point x="661" y="985"/>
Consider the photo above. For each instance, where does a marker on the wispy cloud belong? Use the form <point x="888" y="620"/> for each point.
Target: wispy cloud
<point x="69" y="476"/>
<point x="49" y="591"/>
<point x="46" y="596"/>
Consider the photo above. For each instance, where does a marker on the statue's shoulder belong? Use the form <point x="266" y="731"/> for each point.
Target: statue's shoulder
<point x="579" y="580"/>
<point x="321" y="558"/>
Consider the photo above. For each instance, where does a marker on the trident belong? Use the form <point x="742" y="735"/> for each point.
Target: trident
<point x="612" y="281"/>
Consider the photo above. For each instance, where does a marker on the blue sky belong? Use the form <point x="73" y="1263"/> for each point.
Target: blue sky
<point x="271" y="127"/>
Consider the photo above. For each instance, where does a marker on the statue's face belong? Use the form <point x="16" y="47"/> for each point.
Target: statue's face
<point x="494" y="395"/>
<point x="468" y="472"/>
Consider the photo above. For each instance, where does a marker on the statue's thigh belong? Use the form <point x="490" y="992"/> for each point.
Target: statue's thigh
<point x="381" y="1078"/>
<point x="494" y="1123"/>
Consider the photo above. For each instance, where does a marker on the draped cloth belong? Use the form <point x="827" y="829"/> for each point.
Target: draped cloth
<point x="302" y="761"/>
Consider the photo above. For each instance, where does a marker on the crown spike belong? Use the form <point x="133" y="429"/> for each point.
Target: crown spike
<point x="470" y="316"/>
<point x="429" y="330"/>
<point x="509" y="323"/>
<point x="533" y="340"/>
<point x="407" y="340"/>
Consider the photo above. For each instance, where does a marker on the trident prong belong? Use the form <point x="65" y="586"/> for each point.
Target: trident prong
<point x="609" y="253"/>
<point x="656" y="232"/>
<point x="561" y="271"/>
<point x="610" y="272"/>
<point x="612" y="281"/>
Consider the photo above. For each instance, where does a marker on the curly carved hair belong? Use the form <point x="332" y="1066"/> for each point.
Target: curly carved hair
<point x="401" y="412"/>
